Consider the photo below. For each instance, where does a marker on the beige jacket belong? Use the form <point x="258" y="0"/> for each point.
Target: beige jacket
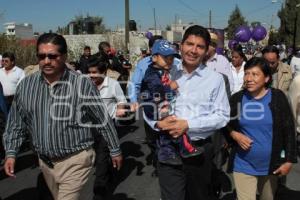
<point x="284" y="77"/>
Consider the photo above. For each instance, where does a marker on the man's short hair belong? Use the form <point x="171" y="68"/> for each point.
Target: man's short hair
<point x="9" y="55"/>
<point x="153" y="39"/>
<point x="271" y="49"/>
<point x="87" y="48"/>
<point x="199" y="31"/>
<point x="97" y="62"/>
<point x="102" y="45"/>
<point x="55" y="39"/>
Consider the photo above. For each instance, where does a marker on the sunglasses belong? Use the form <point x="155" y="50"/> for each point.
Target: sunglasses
<point x="42" y="56"/>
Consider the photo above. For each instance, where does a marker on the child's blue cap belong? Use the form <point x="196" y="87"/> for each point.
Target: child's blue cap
<point x="163" y="47"/>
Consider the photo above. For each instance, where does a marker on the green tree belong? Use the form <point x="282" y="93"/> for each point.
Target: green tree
<point x="168" y="27"/>
<point x="255" y="23"/>
<point x="274" y="38"/>
<point x="62" y="30"/>
<point x="78" y="23"/>
<point x="236" y="19"/>
<point x="25" y="54"/>
<point x="287" y="16"/>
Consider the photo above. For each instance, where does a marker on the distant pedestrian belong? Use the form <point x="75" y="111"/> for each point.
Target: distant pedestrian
<point x="10" y="76"/>
<point x="281" y="73"/>
<point x="84" y="59"/>
<point x="237" y="68"/>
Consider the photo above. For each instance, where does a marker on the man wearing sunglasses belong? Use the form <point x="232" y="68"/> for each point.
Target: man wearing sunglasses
<point x="59" y="107"/>
<point x="10" y="76"/>
<point x="281" y="72"/>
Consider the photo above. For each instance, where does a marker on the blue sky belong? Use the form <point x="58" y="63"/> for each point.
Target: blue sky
<point x="49" y="14"/>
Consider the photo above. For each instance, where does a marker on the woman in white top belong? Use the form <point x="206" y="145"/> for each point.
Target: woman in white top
<point x="237" y="67"/>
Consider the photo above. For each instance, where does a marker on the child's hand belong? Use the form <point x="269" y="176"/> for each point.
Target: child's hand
<point x="174" y="85"/>
<point x="164" y="109"/>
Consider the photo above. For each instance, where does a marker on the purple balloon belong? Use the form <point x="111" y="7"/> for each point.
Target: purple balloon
<point x="242" y="34"/>
<point x="219" y="51"/>
<point x="149" y="35"/>
<point x="259" y="33"/>
<point x="232" y="43"/>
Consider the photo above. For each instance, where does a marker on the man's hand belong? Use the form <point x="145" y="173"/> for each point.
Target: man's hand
<point x="175" y="126"/>
<point x="174" y="85"/>
<point x="243" y="141"/>
<point x="166" y="122"/>
<point x="117" y="161"/>
<point x="284" y="169"/>
<point x="9" y="166"/>
<point x="120" y="112"/>
<point x="179" y="127"/>
<point x="134" y="107"/>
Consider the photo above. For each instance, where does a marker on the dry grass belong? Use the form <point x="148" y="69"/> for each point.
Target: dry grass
<point x="25" y="54"/>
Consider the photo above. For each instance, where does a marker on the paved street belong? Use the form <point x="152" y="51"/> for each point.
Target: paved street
<point x="134" y="181"/>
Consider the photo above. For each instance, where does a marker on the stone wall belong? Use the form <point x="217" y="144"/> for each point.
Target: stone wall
<point x="117" y="41"/>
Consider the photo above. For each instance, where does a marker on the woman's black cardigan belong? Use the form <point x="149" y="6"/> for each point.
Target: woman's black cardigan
<point x="284" y="132"/>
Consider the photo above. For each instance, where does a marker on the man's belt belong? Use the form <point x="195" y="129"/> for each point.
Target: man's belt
<point x="50" y="161"/>
<point x="201" y="142"/>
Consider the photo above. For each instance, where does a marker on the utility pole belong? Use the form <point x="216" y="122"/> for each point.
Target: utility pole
<point x="209" y="23"/>
<point x="126" y="25"/>
<point x="154" y="20"/>
<point x="176" y="20"/>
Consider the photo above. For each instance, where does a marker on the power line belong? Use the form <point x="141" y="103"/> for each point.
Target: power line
<point x="258" y="10"/>
<point x="190" y="8"/>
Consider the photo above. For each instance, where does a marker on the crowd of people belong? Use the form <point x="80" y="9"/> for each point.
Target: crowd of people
<point x="194" y="101"/>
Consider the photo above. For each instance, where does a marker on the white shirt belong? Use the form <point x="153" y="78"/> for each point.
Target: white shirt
<point x="112" y="95"/>
<point x="10" y="79"/>
<point x="294" y="96"/>
<point x="238" y="78"/>
<point x="295" y="65"/>
<point x="219" y="63"/>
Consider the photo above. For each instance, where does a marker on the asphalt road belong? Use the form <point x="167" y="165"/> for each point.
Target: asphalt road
<point x="133" y="182"/>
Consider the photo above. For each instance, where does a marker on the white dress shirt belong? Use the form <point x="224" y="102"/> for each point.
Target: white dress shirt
<point x="219" y="63"/>
<point x="112" y="95"/>
<point x="238" y="78"/>
<point x="294" y="96"/>
<point x="10" y="79"/>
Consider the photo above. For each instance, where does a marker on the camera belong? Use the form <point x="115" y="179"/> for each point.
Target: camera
<point x="126" y="62"/>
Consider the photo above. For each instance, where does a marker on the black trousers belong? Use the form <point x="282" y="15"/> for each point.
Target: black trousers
<point x="151" y="137"/>
<point x="103" y="170"/>
<point x="189" y="181"/>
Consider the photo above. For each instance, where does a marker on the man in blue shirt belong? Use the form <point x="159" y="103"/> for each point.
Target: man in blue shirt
<point x="201" y="108"/>
<point x="134" y="88"/>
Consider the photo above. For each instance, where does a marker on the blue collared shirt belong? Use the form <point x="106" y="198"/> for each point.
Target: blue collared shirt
<point x="201" y="100"/>
<point x="134" y="86"/>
